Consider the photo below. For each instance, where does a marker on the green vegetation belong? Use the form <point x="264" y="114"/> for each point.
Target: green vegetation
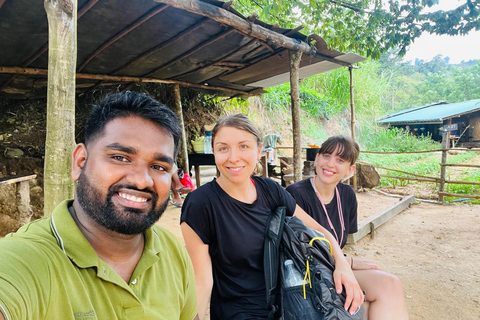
<point x="380" y="88"/>
<point x="367" y="27"/>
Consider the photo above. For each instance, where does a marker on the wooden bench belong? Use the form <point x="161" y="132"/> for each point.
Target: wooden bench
<point x="23" y="190"/>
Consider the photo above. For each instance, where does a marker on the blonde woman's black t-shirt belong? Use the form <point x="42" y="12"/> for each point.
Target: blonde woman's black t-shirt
<point x="235" y="233"/>
<point x="307" y="199"/>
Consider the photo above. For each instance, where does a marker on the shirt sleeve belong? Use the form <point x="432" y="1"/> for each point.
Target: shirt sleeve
<point x="352" y="207"/>
<point x="196" y="213"/>
<point x="284" y="198"/>
<point x="23" y="280"/>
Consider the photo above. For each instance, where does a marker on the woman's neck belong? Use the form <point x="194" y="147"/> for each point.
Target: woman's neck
<point x="326" y="191"/>
<point x="244" y="191"/>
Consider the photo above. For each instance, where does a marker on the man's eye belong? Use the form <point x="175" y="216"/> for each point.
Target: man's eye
<point x="120" y="158"/>
<point x="158" y="167"/>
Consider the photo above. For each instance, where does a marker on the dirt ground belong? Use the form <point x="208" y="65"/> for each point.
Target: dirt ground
<point x="434" y="249"/>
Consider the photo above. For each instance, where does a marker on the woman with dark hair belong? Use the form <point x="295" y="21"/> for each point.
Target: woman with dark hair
<point x="223" y="224"/>
<point x="333" y="204"/>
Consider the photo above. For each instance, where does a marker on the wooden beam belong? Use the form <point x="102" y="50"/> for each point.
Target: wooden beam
<point x="162" y="45"/>
<point x="371" y="223"/>
<point x="122" y="33"/>
<point x="191" y="51"/>
<point x="295" y="58"/>
<point x="182" y="151"/>
<point x="214" y="63"/>
<point x="457" y="195"/>
<point x="16" y="179"/>
<point x="229" y="19"/>
<point x="460" y="165"/>
<point x="60" y="140"/>
<point x="44" y="48"/>
<point x="44" y="72"/>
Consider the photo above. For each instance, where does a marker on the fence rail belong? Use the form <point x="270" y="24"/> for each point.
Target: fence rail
<point x="443" y="166"/>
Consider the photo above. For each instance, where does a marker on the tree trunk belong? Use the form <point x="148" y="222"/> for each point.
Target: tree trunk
<point x="295" y="57"/>
<point x="60" y="141"/>
<point x="182" y="151"/>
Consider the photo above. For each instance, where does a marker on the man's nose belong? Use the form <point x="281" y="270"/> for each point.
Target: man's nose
<point x="140" y="177"/>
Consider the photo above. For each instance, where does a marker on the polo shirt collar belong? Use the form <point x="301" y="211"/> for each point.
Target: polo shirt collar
<point x="72" y="242"/>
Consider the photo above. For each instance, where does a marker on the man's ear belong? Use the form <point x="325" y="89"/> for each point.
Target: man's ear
<point x="79" y="158"/>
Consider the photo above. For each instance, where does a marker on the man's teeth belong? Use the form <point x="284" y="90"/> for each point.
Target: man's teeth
<point x="132" y="198"/>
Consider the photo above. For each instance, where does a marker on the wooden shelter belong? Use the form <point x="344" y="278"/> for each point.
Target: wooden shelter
<point x="205" y="45"/>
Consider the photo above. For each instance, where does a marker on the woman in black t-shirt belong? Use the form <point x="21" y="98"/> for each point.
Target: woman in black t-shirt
<point x="334" y="205"/>
<point x="223" y="224"/>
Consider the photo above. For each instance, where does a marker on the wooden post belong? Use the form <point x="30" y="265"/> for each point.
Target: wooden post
<point x="182" y="150"/>
<point x="60" y="141"/>
<point x="352" y="121"/>
<point x="295" y="57"/>
<point x="445" y="140"/>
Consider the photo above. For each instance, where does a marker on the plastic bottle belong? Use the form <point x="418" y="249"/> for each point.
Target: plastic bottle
<point x="293" y="277"/>
<point x="207" y="142"/>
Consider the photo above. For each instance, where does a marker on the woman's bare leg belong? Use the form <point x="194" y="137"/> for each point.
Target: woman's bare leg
<point x="384" y="294"/>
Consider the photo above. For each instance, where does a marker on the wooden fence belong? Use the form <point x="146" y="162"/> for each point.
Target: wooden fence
<point x="442" y="181"/>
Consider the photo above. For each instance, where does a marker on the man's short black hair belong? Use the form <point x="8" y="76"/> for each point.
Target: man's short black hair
<point x="128" y="103"/>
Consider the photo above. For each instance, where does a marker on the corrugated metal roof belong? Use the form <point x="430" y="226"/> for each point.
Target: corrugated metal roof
<point x="432" y="113"/>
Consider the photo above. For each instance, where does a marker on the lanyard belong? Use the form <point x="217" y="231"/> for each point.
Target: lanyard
<point x="340" y="212"/>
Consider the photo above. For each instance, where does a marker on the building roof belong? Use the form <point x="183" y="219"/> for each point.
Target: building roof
<point x="125" y="41"/>
<point x="432" y="114"/>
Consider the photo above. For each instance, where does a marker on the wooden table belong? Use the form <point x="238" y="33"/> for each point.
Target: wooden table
<point x="199" y="159"/>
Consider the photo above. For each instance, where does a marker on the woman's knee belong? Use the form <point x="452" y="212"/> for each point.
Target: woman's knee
<point x="391" y="284"/>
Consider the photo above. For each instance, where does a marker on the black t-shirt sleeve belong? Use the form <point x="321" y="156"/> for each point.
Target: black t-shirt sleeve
<point x="196" y="213"/>
<point x="350" y="204"/>
<point x="283" y="198"/>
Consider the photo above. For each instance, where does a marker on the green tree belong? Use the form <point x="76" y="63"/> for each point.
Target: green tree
<point x="368" y="27"/>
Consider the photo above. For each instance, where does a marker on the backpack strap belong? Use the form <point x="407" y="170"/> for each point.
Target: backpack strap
<point x="273" y="237"/>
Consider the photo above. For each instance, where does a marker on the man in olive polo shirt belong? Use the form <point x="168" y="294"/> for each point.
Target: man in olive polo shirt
<point x="100" y="256"/>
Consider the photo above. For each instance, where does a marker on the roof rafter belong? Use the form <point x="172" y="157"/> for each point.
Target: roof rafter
<point x="44" y="48"/>
<point x="122" y="79"/>
<point x="192" y="51"/>
<point x="122" y="33"/>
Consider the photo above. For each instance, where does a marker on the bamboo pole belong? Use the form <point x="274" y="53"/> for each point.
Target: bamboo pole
<point x="60" y="141"/>
<point x="44" y="72"/>
<point x="182" y="151"/>
<point x="352" y="120"/>
<point x="295" y="58"/>
<point x="441" y="187"/>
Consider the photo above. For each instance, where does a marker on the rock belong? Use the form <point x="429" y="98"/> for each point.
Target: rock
<point x="13" y="153"/>
<point x="368" y="176"/>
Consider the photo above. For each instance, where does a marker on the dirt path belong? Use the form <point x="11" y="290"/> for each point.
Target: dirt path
<point x="433" y="249"/>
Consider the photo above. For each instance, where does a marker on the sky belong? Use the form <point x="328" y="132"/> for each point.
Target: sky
<point x="457" y="48"/>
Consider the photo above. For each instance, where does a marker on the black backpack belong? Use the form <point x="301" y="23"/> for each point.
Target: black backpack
<point x="289" y="238"/>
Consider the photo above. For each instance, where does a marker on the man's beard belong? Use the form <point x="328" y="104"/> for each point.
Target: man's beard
<point x="130" y="221"/>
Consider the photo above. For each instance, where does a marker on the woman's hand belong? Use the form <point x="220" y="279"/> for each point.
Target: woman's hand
<point x="364" y="264"/>
<point x="343" y="276"/>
